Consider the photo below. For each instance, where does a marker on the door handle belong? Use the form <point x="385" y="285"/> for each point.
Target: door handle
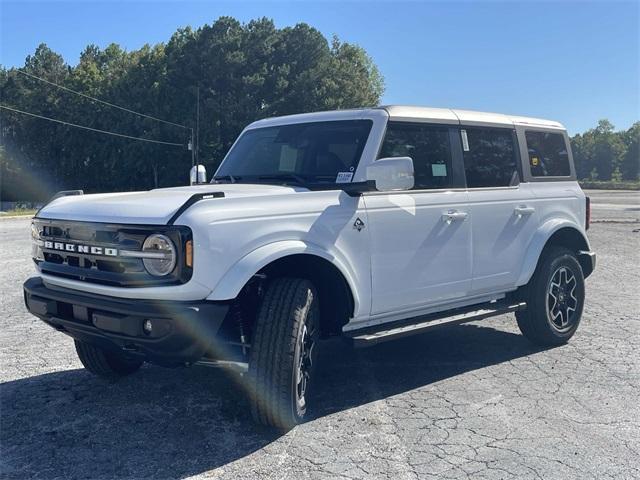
<point x="522" y="210"/>
<point x="454" y="215"/>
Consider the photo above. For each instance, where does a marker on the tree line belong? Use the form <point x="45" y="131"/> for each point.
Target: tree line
<point x="601" y="153"/>
<point x="238" y="72"/>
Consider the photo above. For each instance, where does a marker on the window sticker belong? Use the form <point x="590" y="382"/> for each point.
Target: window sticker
<point x="344" y="177"/>
<point x="288" y="159"/>
<point x="438" y="170"/>
<point x="465" y="140"/>
<point x="535" y="161"/>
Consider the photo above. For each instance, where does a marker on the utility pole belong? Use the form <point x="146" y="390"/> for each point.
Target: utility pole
<point x="198" y="125"/>
<point x="192" y="147"/>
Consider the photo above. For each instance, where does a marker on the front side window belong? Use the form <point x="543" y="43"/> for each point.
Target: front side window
<point x="490" y="157"/>
<point x="311" y="152"/>
<point x="548" y="154"/>
<point x="429" y="147"/>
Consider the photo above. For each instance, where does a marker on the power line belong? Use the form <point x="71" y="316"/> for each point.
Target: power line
<point x="101" y="101"/>
<point x="89" y="128"/>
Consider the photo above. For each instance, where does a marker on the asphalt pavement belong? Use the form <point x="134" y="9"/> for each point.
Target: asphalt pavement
<point x="614" y="205"/>
<point x="472" y="401"/>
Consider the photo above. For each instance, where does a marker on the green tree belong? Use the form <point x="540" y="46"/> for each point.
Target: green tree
<point x="252" y="71"/>
<point x="630" y="165"/>
<point x="243" y="72"/>
<point x="600" y="148"/>
<point x="35" y="149"/>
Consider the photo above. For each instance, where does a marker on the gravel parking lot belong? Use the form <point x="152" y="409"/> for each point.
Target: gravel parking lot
<point x="475" y="400"/>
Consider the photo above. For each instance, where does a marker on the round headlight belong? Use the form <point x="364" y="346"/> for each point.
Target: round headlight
<point x="160" y="255"/>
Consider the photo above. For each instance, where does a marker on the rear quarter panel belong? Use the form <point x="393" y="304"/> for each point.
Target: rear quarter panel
<point x="558" y="205"/>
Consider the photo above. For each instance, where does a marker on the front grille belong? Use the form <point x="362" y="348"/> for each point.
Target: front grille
<point x="112" y="270"/>
<point x="84" y="261"/>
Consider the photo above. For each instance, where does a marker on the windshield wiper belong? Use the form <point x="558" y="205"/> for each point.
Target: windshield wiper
<point x="286" y="177"/>
<point x="229" y="178"/>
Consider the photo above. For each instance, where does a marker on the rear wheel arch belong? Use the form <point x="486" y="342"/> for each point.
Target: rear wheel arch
<point x="554" y="234"/>
<point x="568" y="237"/>
<point x="571" y="239"/>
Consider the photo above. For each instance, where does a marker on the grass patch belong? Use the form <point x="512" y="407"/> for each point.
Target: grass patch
<point x="610" y="185"/>
<point x="18" y="211"/>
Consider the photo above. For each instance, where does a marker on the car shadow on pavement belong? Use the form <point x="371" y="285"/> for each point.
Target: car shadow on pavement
<point x="350" y="377"/>
<point x="163" y="423"/>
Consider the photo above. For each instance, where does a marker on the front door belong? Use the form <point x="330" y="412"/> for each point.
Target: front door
<point x="420" y="239"/>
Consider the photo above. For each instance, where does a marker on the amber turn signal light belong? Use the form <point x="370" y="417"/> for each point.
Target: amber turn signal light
<point x="188" y="253"/>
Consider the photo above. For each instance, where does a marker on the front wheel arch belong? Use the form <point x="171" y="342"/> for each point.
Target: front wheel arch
<point x="338" y="307"/>
<point x="290" y="253"/>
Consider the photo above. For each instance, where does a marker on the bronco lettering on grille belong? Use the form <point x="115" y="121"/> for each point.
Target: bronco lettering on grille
<point x="86" y="249"/>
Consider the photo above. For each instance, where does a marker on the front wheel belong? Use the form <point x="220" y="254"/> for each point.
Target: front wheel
<point x="555" y="298"/>
<point x="106" y="363"/>
<point x="283" y="353"/>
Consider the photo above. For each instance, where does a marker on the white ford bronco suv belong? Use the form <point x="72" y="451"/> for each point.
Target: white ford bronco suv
<point x="370" y="224"/>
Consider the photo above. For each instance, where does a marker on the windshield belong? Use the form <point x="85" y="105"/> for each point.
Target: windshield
<point x="319" y="152"/>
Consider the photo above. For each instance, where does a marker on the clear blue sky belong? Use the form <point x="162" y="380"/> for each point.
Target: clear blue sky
<point x="575" y="62"/>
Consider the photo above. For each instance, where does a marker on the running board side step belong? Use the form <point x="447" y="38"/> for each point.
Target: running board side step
<point x="368" y="337"/>
<point x="239" y="367"/>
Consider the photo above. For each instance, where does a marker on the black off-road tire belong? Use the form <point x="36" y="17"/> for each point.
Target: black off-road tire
<point x="287" y="318"/>
<point x="536" y="322"/>
<point x="105" y="363"/>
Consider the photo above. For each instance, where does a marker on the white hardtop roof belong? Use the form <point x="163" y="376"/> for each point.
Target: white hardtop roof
<point x="468" y="117"/>
<point x="414" y="113"/>
<point x="351" y="114"/>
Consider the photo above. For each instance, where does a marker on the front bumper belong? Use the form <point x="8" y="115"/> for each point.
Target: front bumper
<point x="181" y="331"/>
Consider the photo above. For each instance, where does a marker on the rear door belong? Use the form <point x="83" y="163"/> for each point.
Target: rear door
<point x="420" y="239"/>
<point x="502" y="209"/>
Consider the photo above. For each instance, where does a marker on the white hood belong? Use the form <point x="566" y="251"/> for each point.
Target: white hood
<point x="153" y="207"/>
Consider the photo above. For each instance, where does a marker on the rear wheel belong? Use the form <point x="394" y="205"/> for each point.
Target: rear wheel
<point x="105" y="363"/>
<point x="284" y="352"/>
<point x="555" y="298"/>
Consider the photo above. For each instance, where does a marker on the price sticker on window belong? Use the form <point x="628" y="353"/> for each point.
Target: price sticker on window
<point x="288" y="159"/>
<point x="344" y="177"/>
<point x="438" y="170"/>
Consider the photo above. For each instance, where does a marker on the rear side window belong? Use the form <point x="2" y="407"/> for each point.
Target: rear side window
<point x="490" y="157"/>
<point x="430" y="149"/>
<point x="548" y="154"/>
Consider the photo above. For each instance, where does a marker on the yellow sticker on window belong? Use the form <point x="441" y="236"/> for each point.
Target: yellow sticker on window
<point x="535" y="161"/>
